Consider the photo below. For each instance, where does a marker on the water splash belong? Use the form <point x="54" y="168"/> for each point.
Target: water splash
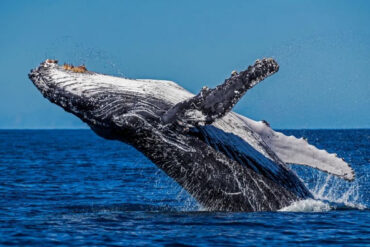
<point x="168" y="193"/>
<point x="308" y="205"/>
<point x="330" y="193"/>
<point x="334" y="190"/>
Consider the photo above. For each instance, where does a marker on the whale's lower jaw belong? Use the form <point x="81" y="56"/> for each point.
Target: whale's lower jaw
<point x="218" y="176"/>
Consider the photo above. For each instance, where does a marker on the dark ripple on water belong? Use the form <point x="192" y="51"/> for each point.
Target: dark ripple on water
<point x="73" y="188"/>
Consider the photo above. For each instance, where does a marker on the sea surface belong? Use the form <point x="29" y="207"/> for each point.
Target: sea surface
<point x="73" y="188"/>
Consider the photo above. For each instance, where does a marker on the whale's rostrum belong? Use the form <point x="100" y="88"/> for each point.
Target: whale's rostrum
<point x="225" y="161"/>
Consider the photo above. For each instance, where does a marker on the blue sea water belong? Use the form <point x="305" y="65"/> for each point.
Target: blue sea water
<point x="72" y="188"/>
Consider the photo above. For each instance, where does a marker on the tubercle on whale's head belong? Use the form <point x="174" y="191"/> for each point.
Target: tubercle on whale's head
<point x="37" y="77"/>
<point x="52" y="80"/>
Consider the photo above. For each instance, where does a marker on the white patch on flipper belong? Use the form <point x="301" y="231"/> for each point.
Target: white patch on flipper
<point x="194" y="114"/>
<point x="299" y="151"/>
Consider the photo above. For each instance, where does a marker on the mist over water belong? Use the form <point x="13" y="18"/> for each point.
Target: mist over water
<point x="71" y="187"/>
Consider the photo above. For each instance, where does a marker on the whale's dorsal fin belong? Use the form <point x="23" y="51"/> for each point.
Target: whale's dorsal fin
<point x="211" y="104"/>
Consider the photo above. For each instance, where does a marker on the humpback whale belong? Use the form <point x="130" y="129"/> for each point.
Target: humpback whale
<point x="226" y="161"/>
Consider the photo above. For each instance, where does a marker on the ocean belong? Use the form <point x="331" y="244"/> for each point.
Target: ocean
<point x="73" y="188"/>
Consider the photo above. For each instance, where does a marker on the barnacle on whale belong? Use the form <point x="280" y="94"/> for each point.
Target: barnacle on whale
<point x="76" y="69"/>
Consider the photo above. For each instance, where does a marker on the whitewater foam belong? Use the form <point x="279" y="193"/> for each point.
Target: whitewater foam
<point x="330" y="193"/>
<point x="308" y="205"/>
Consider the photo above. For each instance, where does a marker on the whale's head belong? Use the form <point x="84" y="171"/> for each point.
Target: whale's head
<point x="105" y="102"/>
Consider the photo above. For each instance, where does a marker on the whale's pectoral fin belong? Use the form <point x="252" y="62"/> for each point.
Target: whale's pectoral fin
<point x="298" y="151"/>
<point x="292" y="150"/>
<point x="210" y="104"/>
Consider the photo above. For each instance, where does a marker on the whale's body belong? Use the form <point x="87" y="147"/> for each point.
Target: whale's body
<point x="224" y="160"/>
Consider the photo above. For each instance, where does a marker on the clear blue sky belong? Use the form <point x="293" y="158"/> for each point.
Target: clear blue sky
<point x="323" y="48"/>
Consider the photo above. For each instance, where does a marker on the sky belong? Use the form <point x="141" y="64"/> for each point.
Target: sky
<point x="323" y="48"/>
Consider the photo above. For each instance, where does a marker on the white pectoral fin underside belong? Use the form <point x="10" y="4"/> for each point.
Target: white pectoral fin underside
<point x="299" y="151"/>
<point x="292" y="150"/>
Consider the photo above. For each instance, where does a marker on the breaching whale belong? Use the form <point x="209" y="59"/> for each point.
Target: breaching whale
<point x="226" y="161"/>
